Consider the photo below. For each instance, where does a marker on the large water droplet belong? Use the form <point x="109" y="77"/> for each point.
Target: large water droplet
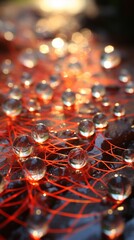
<point x="118" y="110"/>
<point x="35" y="168"/>
<point x="40" y="133"/>
<point x="28" y="58"/>
<point x="12" y="107"/>
<point x="23" y="146"/>
<point x="68" y="98"/>
<point x="128" y="156"/>
<point x="98" y="90"/>
<point x="119" y="187"/>
<point x="77" y="158"/>
<point x="86" y="128"/>
<point x="100" y="120"/>
<point x="110" y="58"/>
<point x="36" y="224"/>
<point x="112" y="224"/>
<point x="44" y="91"/>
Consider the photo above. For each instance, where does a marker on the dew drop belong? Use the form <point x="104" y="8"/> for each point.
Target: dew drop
<point x="128" y="155"/>
<point x="32" y="105"/>
<point x="36" y="224"/>
<point x="68" y="98"/>
<point x="88" y="108"/>
<point x="124" y="75"/>
<point x="98" y="91"/>
<point x="6" y="66"/>
<point x="23" y="146"/>
<point x="44" y="91"/>
<point x="100" y="120"/>
<point x="40" y="133"/>
<point x="110" y="58"/>
<point x="112" y="224"/>
<point x="34" y="168"/>
<point x="119" y="187"/>
<point x="15" y="93"/>
<point x="12" y="107"/>
<point x="118" y="110"/>
<point x="77" y="158"/>
<point x="86" y="128"/>
<point x="28" y="58"/>
<point x="105" y="101"/>
<point x="26" y="79"/>
<point x="129" y="87"/>
<point x="54" y="81"/>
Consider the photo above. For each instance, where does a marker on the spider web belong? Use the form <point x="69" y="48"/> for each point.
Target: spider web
<point x="73" y="201"/>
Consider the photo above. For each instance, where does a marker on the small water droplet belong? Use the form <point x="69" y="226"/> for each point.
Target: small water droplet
<point x="129" y="87"/>
<point x="100" y="120"/>
<point x="68" y="98"/>
<point x="32" y="105"/>
<point x="128" y="155"/>
<point x="6" y="66"/>
<point x="34" y="168"/>
<point x="110" y="58"/>
<point x="77" y="158"/>
<point x="119" y="187"/>
<point x="54" y="81"/>
<point x="88" y="108"/>
<point x="3" y="183"/>
<point x="98" y="90"/>
<point x="28" y="58"/>
<point x="124" y="75"/>
<point x="44" y="91"/>
<point x="118" y="110"/>
<point x="105" y="101"/>
<point x="15" y="93"/>
<point x="23" y="146"/>
<point x="12" y="107"/>
<point x="86" y="128"/>
<point x="112" y="224"/>
<point x="36" y="224"/>
<point x="26" y="79"/>
<point x="40" y="133"/>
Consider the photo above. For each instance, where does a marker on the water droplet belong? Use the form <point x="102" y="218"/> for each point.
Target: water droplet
<point x="88" y="108"/>
<point x="98" y="90"/>
<point x="124" y="75"/>
<point x="36" y="224"/>
<point x="44" y="91"/>
<point x="129" y="87"/>
<point x="86" y="128"/>
<point x="35" y="168"/>
<point x="100" y="120"/>
<point x="12" y="107"/>
<point x="105" y="101"/>
<point x="28" y="58"/>
<point x="75" y="65"/>
<point x="3" y="183"/>
<point x="112" y="224"/>
<point x="54" y="81"/>
<point x="118" y="110"/>
<point x="68" y="98"/>
<point x="40" y="133"/>
<point x="6" y="66"/>
<point x="32" y="105"/>
<point x="119" y="187"/>
<point x="15" y="93"/>
<point x="77" y="158"/>
<point x="26" y="79"/>
<point x="110" y="58"/>
<point x="23" y="146"/>
<point x="128" y="155"/>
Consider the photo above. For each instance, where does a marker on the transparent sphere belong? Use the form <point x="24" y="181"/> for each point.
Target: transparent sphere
<point x="77" y="158"/>
<point x="119" y="187"/>
<point x="44" y="91"/>
<point x="2" y="183"/>
<point x="110" y="58"/>
<point x="129" y="87"/>
<point x="128" y="156"/>
<point x="15" y="93"/>
<point x="68" y="98"/>
<point x="75" y="66"/>
<point x="36" y="224"/>
<point x="98" y="91"/>
<point x="26" y="79"/>
<point x="118" y="110"/>
<point x="28" y="58"/>
<point x="105" y="101"/>
<point x="23" y="146"/>
<point x="86" y="128"/>
<point x="100" y="120"/>
<point x="12" y="107"/>
<point x="35" y="168"/>
<point x="40" y="133"/>
<point x="112" y="224"/>
<point x="6" y="66"/>
<point x="54" y="81"/>
<point x="124" y="75"/>
<point x="88" y="108"/>
<point x="32" y="105"/>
